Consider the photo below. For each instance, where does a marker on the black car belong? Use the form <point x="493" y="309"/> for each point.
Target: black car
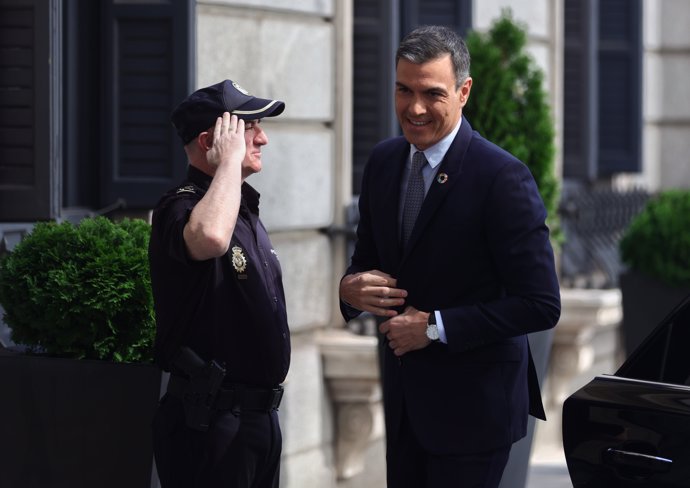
<point x="632" y="429"/>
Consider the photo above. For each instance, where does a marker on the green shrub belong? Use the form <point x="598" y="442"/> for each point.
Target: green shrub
<point x="657" y="241"/>
<point x="508" y="105"/>
<point x="81" y="291"/>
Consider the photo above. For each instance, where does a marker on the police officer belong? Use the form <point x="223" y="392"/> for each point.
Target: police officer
<point x="222" y="328"/>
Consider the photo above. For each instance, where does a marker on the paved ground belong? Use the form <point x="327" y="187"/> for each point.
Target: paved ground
<point x="548" y="475"/>
<point x="547" y="462"/>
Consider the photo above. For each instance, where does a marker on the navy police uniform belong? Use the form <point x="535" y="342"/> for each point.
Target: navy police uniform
<point x="230" y="310"/>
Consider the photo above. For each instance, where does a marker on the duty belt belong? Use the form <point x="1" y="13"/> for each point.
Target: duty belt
<point x="236" y="397"/>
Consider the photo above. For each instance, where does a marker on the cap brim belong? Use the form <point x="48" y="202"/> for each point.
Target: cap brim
<point x="258" y="108"/>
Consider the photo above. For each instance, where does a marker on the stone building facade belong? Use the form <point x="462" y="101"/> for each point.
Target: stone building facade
<point x="301" y="51"/>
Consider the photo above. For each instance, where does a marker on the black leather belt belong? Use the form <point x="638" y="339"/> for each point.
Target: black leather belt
<point x="233" y="397"/>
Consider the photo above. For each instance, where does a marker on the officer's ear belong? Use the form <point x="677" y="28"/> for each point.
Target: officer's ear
<point x="204" y="141"/>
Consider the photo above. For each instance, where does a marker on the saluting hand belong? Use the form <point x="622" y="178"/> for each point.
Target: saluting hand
<point x="228" y="141"/>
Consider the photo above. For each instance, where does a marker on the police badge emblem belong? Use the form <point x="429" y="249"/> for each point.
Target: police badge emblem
<point x="239" y="262"/>
<point x="240" y="89"/>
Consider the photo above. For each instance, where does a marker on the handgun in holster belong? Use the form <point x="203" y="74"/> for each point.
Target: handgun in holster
<point x="205" y="379"/>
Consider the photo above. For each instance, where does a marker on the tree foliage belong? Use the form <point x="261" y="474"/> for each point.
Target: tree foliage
<point x="81" y="291"/>
<point x="508" y="104"/>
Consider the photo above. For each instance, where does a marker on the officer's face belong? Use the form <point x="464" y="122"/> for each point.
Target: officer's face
<point x="255" y="137"/>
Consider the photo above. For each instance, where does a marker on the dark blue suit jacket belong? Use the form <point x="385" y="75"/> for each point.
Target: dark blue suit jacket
<point x="479" y="253"/>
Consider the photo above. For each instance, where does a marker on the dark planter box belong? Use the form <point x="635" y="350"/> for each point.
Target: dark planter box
<point x="646" y="301"/>
<point x="74" y="423"/>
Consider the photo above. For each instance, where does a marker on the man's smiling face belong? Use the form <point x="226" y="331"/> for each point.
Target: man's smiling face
<point x="427" y="103"/>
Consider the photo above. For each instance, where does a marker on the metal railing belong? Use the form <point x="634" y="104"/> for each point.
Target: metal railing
<point x="593" y="222"/>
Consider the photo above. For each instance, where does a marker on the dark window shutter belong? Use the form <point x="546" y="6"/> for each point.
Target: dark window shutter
<point x="375" y="40"/>
<point x="456" y="14"/>
<point x="602" y="107"/>
<point x="579" y="96"/>
<point x="149" y="52"/>
<point x="620" y="87"/>
<point x="28" y="110"/>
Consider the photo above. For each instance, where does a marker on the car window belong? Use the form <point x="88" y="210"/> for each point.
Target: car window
<point x="665" y="355"/>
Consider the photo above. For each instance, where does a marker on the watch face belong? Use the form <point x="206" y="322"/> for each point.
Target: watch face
<point x="432" y="332"/>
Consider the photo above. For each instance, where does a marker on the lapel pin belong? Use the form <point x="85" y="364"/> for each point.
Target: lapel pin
<point x="442" y="178"/>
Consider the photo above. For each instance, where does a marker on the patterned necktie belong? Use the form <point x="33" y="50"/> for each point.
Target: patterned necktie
<point x="414" y="196"/>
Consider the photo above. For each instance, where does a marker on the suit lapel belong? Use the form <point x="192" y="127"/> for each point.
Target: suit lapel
<point x="450" y="166"/>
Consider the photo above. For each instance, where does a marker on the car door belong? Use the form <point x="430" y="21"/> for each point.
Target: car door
<point x="632" y="429"/>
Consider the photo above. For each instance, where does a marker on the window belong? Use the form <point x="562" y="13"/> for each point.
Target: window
<point x="602" y="88"/>
<point x="663" y="357"/>
<point x="85" y="96"/>
<point x="150" y="70"/>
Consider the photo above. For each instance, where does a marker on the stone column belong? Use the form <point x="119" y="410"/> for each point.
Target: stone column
<point x="350" y="368"/>
<point x="586" y="343"/>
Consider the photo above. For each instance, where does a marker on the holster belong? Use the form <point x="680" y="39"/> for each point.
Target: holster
<point x="199" y="396"/>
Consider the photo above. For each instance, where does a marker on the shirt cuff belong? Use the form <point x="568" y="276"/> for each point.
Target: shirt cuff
<point x="441" y="329"/>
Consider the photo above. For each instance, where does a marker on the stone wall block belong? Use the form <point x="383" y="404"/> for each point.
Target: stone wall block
<point x="305" y="259"/>
<point x="296" y="183"/>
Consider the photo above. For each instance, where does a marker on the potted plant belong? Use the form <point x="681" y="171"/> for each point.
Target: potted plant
<point x="80" y="391"/>
<point x="656" y="251"/>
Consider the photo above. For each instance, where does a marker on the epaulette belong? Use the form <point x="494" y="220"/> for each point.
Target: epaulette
<point x="187" y="189"/>
<point x="182" y="192"/>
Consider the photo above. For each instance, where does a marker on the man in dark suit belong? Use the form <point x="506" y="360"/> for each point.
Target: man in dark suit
<point x="453" y="255"/>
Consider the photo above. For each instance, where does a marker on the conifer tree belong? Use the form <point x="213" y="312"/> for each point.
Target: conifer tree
<point x="508" y="104"/>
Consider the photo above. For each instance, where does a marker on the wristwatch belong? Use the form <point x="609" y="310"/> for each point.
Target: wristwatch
<point x="431" y="328"/>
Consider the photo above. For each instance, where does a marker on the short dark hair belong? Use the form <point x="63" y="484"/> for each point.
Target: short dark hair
<point x="430" y="42"/>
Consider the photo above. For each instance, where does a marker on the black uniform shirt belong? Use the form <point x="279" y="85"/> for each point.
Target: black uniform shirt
<point x="232" y="308"/>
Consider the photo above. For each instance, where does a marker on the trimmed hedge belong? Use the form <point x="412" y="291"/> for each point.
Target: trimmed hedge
<point x="657" y="241"/>
<point x="81" y="291"/>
